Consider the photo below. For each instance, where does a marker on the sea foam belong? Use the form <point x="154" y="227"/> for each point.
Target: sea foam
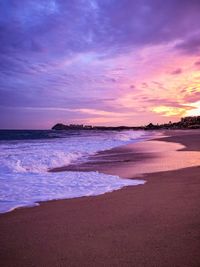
<point x="24" y="165"/>
<point x="28" y="190"/>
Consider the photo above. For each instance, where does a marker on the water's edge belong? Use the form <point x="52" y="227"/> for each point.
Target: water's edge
<point x="42" y="186"/>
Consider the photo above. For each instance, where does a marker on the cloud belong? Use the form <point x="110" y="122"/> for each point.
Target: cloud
<point x="171" y="111"/>
<point x="197" y="63"/>
<point x="190" y="45"/>
<point x="98" y="56"/>
<point x="192" y="97"/>
<point x="79" y="26"/>
<point x="177" y="71"/>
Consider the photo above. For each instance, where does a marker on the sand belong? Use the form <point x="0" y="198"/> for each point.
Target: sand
<point x="156" y="224"/>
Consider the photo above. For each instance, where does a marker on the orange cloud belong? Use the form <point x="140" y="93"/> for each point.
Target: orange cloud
<point x="170" y="111"/>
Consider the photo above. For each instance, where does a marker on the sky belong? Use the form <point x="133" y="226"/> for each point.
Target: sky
<point x="98" y="62"/>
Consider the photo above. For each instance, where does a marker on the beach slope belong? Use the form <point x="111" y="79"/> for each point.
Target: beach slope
<point x="156" y="224"/>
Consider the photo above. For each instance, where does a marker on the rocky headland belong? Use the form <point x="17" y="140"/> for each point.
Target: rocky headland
<point x="184" y="123"/>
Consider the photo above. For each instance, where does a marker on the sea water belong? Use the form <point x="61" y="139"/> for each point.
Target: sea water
<point x="26" y="156"/>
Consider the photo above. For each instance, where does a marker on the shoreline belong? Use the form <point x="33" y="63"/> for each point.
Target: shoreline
<point x="156" y="224"/>
<point x="134" y="160"/>
<point x="37" y="202"/>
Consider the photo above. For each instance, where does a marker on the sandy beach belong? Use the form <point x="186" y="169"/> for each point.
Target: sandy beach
<point x="153" y="225"/>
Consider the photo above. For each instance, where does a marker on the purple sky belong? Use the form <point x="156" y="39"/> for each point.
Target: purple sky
<point x="100" y="62"/>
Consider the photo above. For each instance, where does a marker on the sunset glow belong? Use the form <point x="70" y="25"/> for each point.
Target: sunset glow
<point x="98" y="62"/>
<point x="195" y="111"/>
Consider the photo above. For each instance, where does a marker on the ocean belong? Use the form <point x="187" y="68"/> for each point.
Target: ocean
<point x="27" y="155"/>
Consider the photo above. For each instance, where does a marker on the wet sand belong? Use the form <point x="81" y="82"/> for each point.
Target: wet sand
<point x="177" y="151"/>
<point x="156" y="224"/>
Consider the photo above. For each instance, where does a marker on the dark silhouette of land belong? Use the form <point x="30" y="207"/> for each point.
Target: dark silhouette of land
<point x="184" y="123"/>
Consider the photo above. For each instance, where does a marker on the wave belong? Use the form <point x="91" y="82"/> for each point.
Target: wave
<point x="24" y="168"/>
<point x="23" y="190"/>
<point x="39" y="156"/>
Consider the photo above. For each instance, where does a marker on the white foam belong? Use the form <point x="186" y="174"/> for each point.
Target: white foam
<point x="24" y="179"/>
<point x="25" y="190"/>
<point x="39" y="156"/>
